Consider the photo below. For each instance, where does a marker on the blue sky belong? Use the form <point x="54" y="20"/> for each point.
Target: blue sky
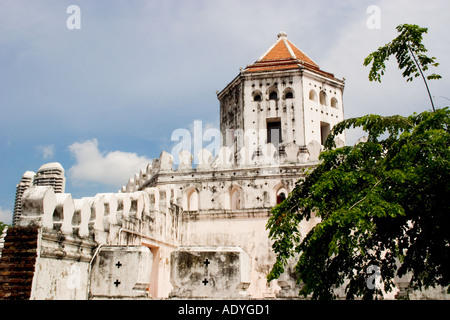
<point x="103" y="100"/>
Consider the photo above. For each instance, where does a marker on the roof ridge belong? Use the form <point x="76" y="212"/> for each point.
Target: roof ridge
<point x="301" y="51"/>
<point x="286" y="43"/>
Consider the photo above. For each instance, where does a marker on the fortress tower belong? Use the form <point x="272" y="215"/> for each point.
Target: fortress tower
<point x="283" y="97"/>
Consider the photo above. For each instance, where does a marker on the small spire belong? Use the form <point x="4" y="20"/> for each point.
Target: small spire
<point x="282" y="34"/>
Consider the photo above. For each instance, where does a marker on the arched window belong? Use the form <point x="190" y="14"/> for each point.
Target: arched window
<point x="273" y="95"/>
<point x="313" y="95"/>
<point x="191" y="200"/>
<point x="236" y="198"/>
<point x="257" y="95"/>
<point x="334" y="102"/>
<point x="281" y="195"/>
<point x="289" y="94"/>
<point x="323" y="98"/>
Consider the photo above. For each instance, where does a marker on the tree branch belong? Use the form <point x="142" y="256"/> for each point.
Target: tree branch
<point x="364" y="196"/>
<point x="424" y="80"/>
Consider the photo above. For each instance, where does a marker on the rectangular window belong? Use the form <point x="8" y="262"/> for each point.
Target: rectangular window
<point x="324" y="131"/>
<point x="274" y="132"/>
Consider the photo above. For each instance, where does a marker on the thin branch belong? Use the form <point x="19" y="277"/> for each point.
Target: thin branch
<point x="424" y="80"/>
<point x="364" y="196"/>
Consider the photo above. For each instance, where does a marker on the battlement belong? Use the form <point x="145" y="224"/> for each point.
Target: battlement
<point x="159" y="191"/>
<point x="227" y="159"/>
<point x="106" y="217"/>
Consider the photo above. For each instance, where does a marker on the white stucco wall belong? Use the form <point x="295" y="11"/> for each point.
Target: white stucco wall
<point x="57" y="279"/>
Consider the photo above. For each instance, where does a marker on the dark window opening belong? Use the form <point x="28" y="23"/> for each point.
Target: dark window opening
<point x="257" y="98"/>
<point x="281" y="197"/>
<point x="289" y="95"/>
<point x="324" y="131"/>
<point x="273" y="95"/>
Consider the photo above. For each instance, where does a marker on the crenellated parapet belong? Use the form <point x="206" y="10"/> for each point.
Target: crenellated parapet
<point x="247" y="157"/>
<point x="101" y="218"/>
<point x="38" y="207"/>
<point x="74" y="238"/>
<point x="151" y="205"/>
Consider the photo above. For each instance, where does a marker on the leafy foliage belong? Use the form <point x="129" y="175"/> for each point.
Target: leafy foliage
<point x="383" y="202"/>
<point x="405" y="47"/>
<point x="2" y="226"/>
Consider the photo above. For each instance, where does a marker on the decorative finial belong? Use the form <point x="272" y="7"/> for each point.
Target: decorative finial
<point x="282" y="34"/>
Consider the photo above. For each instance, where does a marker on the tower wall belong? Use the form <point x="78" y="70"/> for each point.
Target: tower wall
<point x="306" y="106"/>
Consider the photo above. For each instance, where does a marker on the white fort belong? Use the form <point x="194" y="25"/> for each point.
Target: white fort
<point x="185" y="232"/>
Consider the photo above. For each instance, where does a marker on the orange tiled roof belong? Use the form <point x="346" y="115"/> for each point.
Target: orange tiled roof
<point x="279" y="51"/>
<point x="300" y="55"/>
<point x="284" y="55"/>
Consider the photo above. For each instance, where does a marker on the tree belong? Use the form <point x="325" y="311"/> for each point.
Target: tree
<point x="382" y="203"/>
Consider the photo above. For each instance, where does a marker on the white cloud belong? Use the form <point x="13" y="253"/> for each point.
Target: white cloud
<point x="111" y="168"/>
<point x="47" y="151"/>
<point x="5" y="216"/>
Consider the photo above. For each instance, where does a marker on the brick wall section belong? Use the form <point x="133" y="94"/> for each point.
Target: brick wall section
<point x="17" y="263"/>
